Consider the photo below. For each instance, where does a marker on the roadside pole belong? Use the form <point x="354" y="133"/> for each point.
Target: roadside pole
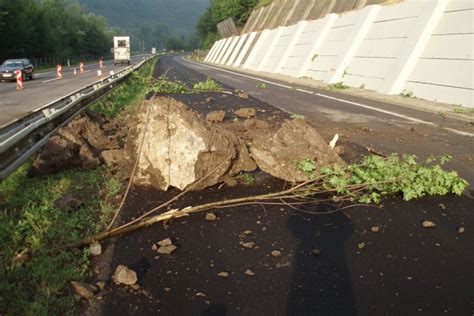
<point x="59" y="70"/>
<point x="19" y="80"/>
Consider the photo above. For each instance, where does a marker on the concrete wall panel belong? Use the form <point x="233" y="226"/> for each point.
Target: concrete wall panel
<point x="276" y="52"/>
<point x="300" y="11"/>
<point x="445" y="70"/>
<point x="237" y="49"/>
<point x="247" y="49"/>
<point x="340" y="45"/>
<point x="260" y="49"/>
<point x="223" y="50"/>
<point x="216" y="53"/>
<point x="211" y="51"/>
<point x="230" y="50"/>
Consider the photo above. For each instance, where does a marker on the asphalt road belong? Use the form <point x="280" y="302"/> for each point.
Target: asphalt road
<point x="402" y="269"/>
<point x="386" y="127"/>
<point x="45" y="89"/>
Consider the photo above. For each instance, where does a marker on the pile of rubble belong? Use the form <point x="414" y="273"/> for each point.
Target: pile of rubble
<point x="178" y="147"/>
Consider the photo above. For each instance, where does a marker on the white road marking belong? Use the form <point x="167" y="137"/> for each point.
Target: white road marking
<point x="49" y="80"/>
<point x="406" y="117"/>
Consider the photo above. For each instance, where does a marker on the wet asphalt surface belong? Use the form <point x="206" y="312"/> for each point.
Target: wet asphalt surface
<point x="403" y="269"/>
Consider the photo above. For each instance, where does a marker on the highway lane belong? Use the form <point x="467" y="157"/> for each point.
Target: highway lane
<point x="388" y="128"/>
<point x="45" y="88"/>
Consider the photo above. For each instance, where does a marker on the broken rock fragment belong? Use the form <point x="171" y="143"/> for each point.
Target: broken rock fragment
<point x="246" y="113"/>
<point x="84" y="290"/>
<point x="215" y="116"/>
<point x="279" y="153"/>
<point x="124" y="275"/>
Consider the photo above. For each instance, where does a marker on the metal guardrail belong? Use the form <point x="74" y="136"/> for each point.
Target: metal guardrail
<point x="20" y="139"/>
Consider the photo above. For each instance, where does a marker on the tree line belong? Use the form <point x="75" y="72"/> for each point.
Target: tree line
<point x="59" y="28"/>
<point x="220" y="10"/>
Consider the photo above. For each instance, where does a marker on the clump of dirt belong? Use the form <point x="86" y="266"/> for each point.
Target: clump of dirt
<point x="85" y="143"/>
<point x="182" y="149"/>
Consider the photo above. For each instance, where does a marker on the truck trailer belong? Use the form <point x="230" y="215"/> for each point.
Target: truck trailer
<point x="122" y="50"/>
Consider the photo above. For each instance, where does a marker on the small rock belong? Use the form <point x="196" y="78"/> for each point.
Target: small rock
<point x="215" y="116"/>
<point x="461" y="230"/>
<point x="100" y="285"/>
<point x="248" y="245"/>
<point x="361" y="245"/>
<point x="68" y="202"/>
<point x="248" y="232"/>
<point x="442" y="206"/>
<point x="243" y="95"/>
<point x="276" y="253"/>
<point x="167" y="250"/>
<point x="84" y="290"/>
<point x="124" y="275"/>
<point x="95" y="249"/>
<point x="136" y="287"/>
<point x="165" y="242"/>
<point x="249" y="272"/>
<point x="231" y="182"/>
<point x="167" y="289"/>
<point x="223" y="274"/>
<point x="246" y="112"/>
<point x="375" y="229"/>
<point x="428" y="224"/>
<point x="316" y="252"/>
<point x="200" y="294"/>
<point x="154" y="247"/>
<point x="211" y="217"/>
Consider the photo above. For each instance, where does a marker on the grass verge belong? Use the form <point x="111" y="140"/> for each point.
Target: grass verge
<point x="32" y="218"/>
<point x="128" y="94"/>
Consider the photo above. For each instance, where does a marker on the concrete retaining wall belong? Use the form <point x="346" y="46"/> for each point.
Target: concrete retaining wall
<point x="421" y="47"/>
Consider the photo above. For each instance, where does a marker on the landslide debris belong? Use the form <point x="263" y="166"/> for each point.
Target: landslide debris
<point x="180" y="147"/>
<point x="83" y="144"/>
<point x="183" y="149"/>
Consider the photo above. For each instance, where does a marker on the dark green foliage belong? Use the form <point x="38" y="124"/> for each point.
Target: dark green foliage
<point x="150" y="23"/>
<point x="220" y="10"/>
<point x="58" y="28"/>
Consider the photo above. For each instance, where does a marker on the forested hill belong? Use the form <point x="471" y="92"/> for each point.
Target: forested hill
<point x="150" y="20"/>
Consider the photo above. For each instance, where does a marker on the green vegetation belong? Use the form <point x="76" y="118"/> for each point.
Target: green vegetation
<point x="407" y="94"/>
<point x="298" y="117"/>
<point x="153" y="23"/>
<point x="52" y="28"/>
<point x="163" y="85"/>
<point x="376" y="177"/>
<point x="261" y="85"/>
<point x="128" y="94"/>
<point x="247" y="178"/>
<point x="459" y="109"/>
<point x="208" y="85"/>
<point x="218" y="11"/>
<point x="337" y="86"/>
<point x="32" y="219"/>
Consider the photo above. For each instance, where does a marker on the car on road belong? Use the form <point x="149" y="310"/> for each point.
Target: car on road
<point x="8" y="68"/>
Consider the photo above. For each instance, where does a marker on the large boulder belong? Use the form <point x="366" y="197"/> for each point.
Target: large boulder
<point x="278" y="153"/>
<point x="181" y="149"/>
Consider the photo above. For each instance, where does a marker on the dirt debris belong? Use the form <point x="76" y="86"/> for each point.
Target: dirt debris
<point x="246" y="113"/>
<point x="82" y="144"/>
<point x="215" y="116"/>
<point x="278" y="153"/>
<point x="428" y="224"/>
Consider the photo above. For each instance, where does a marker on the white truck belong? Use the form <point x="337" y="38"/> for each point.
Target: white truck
<point x="121" y="50"/>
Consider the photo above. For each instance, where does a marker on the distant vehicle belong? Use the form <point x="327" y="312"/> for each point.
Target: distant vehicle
<point x="153" y="51"/>
<point x="7" y="71"/>
<point x="122" y="50"/>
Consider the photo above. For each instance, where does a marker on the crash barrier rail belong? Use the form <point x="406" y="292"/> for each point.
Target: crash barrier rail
<point x="21" y="139"/>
